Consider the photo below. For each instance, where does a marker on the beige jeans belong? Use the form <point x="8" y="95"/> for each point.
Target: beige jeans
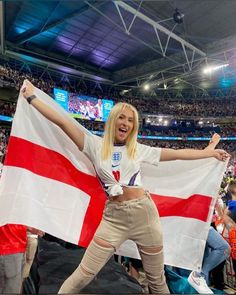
<point x="137" y="220"/>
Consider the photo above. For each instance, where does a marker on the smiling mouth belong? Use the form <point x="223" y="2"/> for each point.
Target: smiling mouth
<point x="123" y="131"/>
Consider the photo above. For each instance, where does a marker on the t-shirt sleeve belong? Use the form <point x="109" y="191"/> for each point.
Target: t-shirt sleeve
<point x="148" y="154"/>
<point x="91" y="145"/>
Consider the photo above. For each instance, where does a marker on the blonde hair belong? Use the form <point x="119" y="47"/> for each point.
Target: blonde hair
<point x="109" y="133"/>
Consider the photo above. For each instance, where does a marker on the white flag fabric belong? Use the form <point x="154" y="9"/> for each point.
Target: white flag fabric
<point x="49" y="184"/>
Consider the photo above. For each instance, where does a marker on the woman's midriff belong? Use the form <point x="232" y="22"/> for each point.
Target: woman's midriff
<point x="129" y="193"/>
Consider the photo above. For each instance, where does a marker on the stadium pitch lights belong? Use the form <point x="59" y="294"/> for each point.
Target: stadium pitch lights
<point x="211" y="69"/>
<point x="146" y="86"/>
<point x="176" y="80"/>
<point x="166" y="122"/>
<point x="124" y="91"/>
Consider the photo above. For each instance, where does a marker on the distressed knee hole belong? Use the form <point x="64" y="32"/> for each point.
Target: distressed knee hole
<point x="151" y="250"/>
<point x="102" y="243"/>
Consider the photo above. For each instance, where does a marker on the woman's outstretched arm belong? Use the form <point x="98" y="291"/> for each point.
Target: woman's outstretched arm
<point x="74" y="132"/>
<point x="191" y="154"/>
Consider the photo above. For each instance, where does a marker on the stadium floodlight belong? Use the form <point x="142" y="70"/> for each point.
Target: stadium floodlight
<point x="211" y="69"/>
<point x="146" y="87"/>
<point x="124" y="91"/>
<point x="166" y="122"/>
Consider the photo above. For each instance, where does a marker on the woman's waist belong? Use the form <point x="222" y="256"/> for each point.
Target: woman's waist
<point x="129" y="193"/>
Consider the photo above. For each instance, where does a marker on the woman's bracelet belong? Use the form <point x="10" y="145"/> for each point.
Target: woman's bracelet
<point x="30" y="98"/>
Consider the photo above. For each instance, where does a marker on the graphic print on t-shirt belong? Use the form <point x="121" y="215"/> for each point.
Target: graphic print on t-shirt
<point x="116" y="158"/>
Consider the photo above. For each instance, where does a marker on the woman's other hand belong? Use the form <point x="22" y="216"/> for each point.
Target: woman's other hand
<point x="28" y="89"/>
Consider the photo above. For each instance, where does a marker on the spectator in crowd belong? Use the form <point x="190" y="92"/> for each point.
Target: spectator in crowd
<point x="12" y="249"/>
<point x="231" y="212"/>
<point x="217" y="250"/>
<point x="13" y="246"/>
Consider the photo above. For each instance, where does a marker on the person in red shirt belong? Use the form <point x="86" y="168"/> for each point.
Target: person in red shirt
<point x="13" y="242"/>
<point x="12" y="250"/>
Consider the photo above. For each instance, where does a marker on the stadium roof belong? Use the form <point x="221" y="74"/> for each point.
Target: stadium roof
<point x="126" y="43"/>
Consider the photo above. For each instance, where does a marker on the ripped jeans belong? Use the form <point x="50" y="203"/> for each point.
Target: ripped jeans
<point x="137" y="220"/>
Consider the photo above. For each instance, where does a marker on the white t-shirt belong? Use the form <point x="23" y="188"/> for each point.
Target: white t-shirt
<point x="120" y="170"/>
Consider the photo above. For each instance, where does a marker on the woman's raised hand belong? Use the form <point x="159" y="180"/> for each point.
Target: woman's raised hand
<point x="28" y="89"/>
<point x="215" y="138"/>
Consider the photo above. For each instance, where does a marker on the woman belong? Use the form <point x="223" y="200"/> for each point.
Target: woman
<point x="129" y="213"/>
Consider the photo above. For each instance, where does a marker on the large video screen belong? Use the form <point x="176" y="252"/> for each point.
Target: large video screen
<point x="88" y="107"/>
<point x="61" y="97"/>
<point x="83" y="106"/>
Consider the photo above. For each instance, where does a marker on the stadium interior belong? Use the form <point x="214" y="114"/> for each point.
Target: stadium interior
<point x="174" y="60"/>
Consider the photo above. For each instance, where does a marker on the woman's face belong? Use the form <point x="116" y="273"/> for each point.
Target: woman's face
<point x="124" y="125"/>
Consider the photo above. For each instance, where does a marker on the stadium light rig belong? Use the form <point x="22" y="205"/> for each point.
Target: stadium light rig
<point x="124" y="91"/>
<point x="166" y="123"/>
<point x="146" y="87"/>
<point x="211" y="69"/>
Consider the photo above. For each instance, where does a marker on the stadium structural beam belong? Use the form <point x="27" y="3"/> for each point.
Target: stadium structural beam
<point x="217" y="53"/>
<point x="158" y="28"/>
<point x="33" y="33"/>
<point x="52" y="74"/>
<point x="130" y="34"/>
<point x="2" y="26"/>
<point x="57" y="66"/>
<point x="173" y="71"/>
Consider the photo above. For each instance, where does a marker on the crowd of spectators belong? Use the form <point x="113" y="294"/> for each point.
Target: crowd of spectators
<point x="7" y="108"/>
<point x="197" y="133"/>
<point x="225" y="131"/>
<point x="228" y="130"/>
<point x="217" y="107"/>
<point x="4" y="136"/>
<point x="16" y="78"/>
<point x="183" y="107"/>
